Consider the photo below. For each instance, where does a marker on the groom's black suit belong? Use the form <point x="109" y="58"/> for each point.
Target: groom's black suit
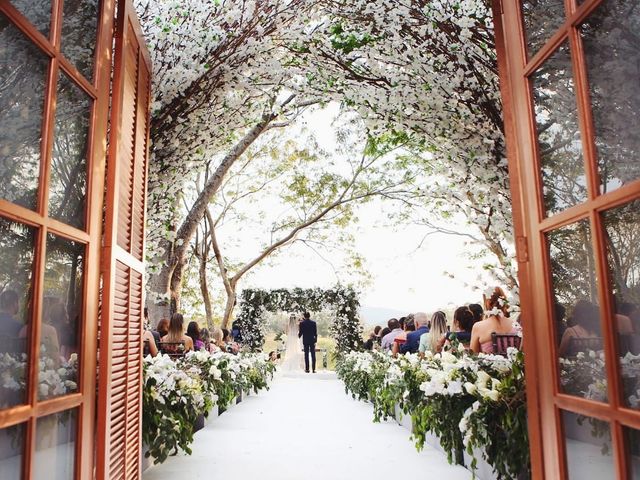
<point x="308" y="330"/>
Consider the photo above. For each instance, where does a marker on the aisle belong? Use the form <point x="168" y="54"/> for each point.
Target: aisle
<point x="304" y="428"/>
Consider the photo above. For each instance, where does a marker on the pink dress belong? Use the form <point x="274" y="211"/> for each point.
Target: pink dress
<point x="487" y="347"/>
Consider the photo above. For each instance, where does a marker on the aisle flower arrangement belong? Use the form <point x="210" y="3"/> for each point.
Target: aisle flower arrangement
<point x="177" y="392"/>
<point x="472" y="403"/>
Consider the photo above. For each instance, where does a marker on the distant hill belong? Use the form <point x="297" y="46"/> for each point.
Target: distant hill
<point x="378" y="315"/>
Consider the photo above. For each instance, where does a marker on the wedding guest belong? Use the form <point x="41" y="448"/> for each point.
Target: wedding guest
<point x="403" y="322"/>
<point x="370" y="342"/>
<point x="176" y="334"/>
<point x="401" y="338"/>
<point x="163" y="327"/>
<point x="229" y="345"/>
<point x="55" y="314"/>
<point x="149" y="346"/>
<point x="394" y="330"/>
<point x="9" y="308"/>
<point x="216" y="337"/>
<point x="383" y="333"/>
<point x="193" y="331"/>
<point x="477" y="311"/>
<point x="205" y="336"/>
<point x="376" y="332"/>
<point x="434" y="339"/>
<point x="236" y="332"/>
<point x="497" y="320"/>
<point x="420" y="320"/>
<point x="585" y="323"/>
<point x="156" y="335"/>
<point x="463" y="321"/>
<point x="630" y="310"/>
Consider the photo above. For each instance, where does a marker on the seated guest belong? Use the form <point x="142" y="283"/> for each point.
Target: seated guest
<point x="477" y="311"/>
<point x="149" y="346"/>
<point x="497" y="320"/>
<point x="205" y="336"/>
<point x="156" y="335"/>
<point x="236" y="332"/>
<point x="403" y="323"/>
<point x="409" y="326"/>
<point x="372" y="340"/>
<point x="383" y="333"/>
<point x="176" y="335"/>
<point x="463" y="321"/>
<point x="376" y="331"/>
<point x="413" y="338"/>
<point x="9" y="308"/>
<point x="216" y="341"/>
<point x="433" y="340"/>
<point x="163" y="327"/>
<point x="193" y="331"/>
<point x="229" y="345"/>
<point x="585" y="323"/>
<point x="393" y="331"/>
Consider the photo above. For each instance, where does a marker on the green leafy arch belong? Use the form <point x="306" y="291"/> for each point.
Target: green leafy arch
<point x="346" y="328"/>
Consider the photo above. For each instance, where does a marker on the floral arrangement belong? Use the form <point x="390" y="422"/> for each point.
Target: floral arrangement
<point x="346" y="330"/>
<point x="472" y="403"/>
<point x="176" y="393"/>
<point x="54" y="378"/>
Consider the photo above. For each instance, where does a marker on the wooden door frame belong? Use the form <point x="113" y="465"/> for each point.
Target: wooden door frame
<point x="544" y="400"/>
<point x="98" y="89"/>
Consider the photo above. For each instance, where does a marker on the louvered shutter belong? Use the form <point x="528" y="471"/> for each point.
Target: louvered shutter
<point x="120" y="368"/>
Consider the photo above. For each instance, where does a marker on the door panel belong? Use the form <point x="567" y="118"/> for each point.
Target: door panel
<point x="120" y="414"/>
<point x="569" y="78"/>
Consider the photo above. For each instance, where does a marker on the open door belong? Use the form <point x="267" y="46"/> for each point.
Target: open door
<point x="121" y="324"/>
<point x="570" y="79"/>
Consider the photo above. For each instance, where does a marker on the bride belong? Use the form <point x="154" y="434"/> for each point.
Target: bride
<point x="293" y="349"/>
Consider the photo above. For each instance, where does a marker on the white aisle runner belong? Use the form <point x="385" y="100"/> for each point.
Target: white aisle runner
<point x="304" y="428"/>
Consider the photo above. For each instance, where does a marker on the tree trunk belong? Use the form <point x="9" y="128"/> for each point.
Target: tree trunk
<point x="229" y="307"/>
<point x="204" y="289"/>
<point x="158" y="288"/>
<point x="165" y="285"/>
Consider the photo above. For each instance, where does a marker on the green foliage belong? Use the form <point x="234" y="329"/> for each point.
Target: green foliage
<point x="346" y="329"/>
<point x="472" y="403"/>
<point x="176" y="393"/>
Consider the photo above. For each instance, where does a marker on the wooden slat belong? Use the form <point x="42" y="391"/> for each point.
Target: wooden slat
<point x="124" y="250"/>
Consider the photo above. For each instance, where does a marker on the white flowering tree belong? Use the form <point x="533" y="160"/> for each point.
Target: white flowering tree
<point x="217" y="87"/>
<point x="427" y="69"/>
<point x="424" y="70"/>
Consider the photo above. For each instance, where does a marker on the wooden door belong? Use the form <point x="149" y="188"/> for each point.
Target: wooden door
<point x="121" y="325"/>
<point x="570" y="79"/>
<point x="55" y="63"/>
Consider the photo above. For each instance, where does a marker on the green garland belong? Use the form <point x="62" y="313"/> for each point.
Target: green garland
<point x="346" y="329"/>
<point x="469" y="403"/>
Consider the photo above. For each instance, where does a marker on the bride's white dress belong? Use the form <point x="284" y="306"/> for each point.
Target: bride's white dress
<point x="293" y="349"/>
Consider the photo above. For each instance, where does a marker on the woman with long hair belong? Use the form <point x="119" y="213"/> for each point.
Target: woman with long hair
<point x="433" y="340"/>
<point x="585" y="323"/>
<point x="176" y="333"/>
<point x="193" y="332"/>
<point x="496" y="320"/>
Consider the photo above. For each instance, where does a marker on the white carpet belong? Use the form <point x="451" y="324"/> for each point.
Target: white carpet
<point x="304" y="428"/>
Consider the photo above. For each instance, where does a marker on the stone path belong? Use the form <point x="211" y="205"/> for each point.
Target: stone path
<point x="304" y="428"/>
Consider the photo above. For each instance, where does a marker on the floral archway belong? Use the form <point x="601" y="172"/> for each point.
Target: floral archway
<point x="346" y="328"/>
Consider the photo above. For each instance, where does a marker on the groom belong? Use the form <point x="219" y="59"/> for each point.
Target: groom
<point x="309" y="333"/>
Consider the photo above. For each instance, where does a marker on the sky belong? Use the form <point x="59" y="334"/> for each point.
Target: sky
<point x="403" y="276"/>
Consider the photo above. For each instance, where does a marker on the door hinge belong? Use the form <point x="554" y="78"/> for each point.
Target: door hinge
<point x="522" y="250"/>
